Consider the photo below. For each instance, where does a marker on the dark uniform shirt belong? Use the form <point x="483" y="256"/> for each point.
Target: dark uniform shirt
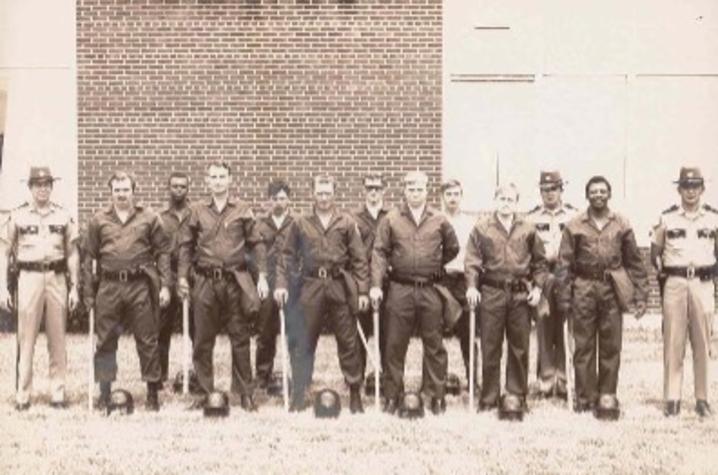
<point x="274" y="238"/>
<point x="172" y="222"/>
<point x="210" y="238"/>
<point x="412" y="250"/>
<point x="368" y="226"/>
<point x="309" y="246"/>
<point x="498" y="254"/>
<point x="124" y="246"/>
<point x="585" y="248"/>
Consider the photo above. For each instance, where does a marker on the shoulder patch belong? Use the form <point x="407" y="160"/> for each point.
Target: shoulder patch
<point x="570" y="206"/>
<point x="670" y="210"/>
<point x="708" y="207"/>
<point x="534" y="209"/>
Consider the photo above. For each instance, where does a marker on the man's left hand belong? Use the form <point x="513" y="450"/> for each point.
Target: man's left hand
<point x="534" y="296"/>
<point x="164" y="297"/>
<point x="262" y="287"/>
<point x="73" y="298"/>
<point x="363" y="302"/>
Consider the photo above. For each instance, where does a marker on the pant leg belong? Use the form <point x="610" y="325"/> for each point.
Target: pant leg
<point x="400" y="318"/>
<point x="312" y="308"/>
<point x="493" y="308"/>
<point x="168" y="320"/>
<point x="585" y="310"/>
<point x="268" y="329"/>
<point x="518" y="332"/>
<point x="431" y="327"/>
<point x="207" y="324"/>
<point x="238" y="325"/>
<point x="367" y="326"/>
<point x="145" y="327"/>
<point x="109" y="311"/>
<point x="675" y="331"/>
<point x="55" y="326"/>
<point x="610" y="339"/>
<point x="30" y="305"/>
<point x="344" y="327"/>
<point x="701" y="306"/>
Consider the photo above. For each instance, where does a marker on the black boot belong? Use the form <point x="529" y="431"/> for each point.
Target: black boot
<point x="355" y="405"/>
<point x="153" y="401"/>
<point x="105" y="390"/>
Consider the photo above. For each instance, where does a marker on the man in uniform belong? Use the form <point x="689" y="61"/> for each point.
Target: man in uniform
<point x="506" y="260"/>
<point x="274" y="228"/>
<point x="131" y="252"/>
<point x="368" y="218"/>
<point x="326" y="246"/>
<point x="42" y="239"/>
<point x="173" y="216"/>
<point x="216" y="240"/>
<point x="550" y="218"/>
<point x="684" y="250"/>
<point x="595" y="244"/>
<point x="415" y="242"/>
<point x="454" y="278"/>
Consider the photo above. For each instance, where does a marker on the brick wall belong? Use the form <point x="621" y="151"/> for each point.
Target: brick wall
<point x="279" y="88"/>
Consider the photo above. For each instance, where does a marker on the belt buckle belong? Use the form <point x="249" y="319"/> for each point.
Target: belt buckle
<point x="322" y="273"/>
<point x="217" y="273"/>
<point x="45" y="267"/>
<point x="690" y="272"/>
<point x="606" y="276"/>
<point x="122" y="275"/>
<point x="508" y="286"/>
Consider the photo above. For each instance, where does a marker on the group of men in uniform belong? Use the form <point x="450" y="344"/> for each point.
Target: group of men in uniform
<point x="422" y="268"/>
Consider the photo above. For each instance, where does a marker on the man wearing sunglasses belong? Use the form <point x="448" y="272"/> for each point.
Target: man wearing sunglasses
<point x="550" y="217"/>
<point x="683" y="250"/>
<point x="368" y="218"/>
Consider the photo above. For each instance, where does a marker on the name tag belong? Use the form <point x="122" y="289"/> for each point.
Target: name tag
<point x="542" y="227"/>
<point x="706" y="233"/>
<point x="30" y="229"/>
<point x="57" y="228"/>
<point x="675" y="233"/>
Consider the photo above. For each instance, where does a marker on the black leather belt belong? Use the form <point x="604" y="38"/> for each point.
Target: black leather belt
<point x="58" y="266"/>
<point x="219" y="273"/>
<point x="509" y="285"/>
<point x="324" y="273"/>
<point x="413" y="281"/>
<point x="123" y="275"/>
<point x="690" y="272"/>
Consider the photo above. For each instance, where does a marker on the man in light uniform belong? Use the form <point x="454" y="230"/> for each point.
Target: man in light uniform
<point x="550" y="217"/>
<point x="42" y="237"/>
<point x="684" y="250"/>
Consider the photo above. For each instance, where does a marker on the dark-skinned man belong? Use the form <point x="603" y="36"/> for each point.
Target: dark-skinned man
<point x="415" y="241"/>
<point x="217" y="241"/>
<point x="505" y="270"/>
<point x="131" y="251"/>
<point x="597" y="244"/>
<point x="325" y="244"/>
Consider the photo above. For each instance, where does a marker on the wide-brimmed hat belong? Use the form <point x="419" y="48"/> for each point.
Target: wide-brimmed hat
<point x="690" y="176"/>
<point x="40" y="174"/>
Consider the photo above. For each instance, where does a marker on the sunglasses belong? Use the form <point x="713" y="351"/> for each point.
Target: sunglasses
<point x="550" y="188"/>
<point x="691" y="186"/>
<point x="373" y="188"/>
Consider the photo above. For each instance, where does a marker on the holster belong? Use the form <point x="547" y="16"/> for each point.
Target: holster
<point x="352" y="290"/>
<point x="452" y="309"/>
<point x="153" y="277"/>
<point x="250" y="302"/>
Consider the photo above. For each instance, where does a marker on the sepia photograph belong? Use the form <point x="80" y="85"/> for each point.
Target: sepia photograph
<point x="358" y="236"/>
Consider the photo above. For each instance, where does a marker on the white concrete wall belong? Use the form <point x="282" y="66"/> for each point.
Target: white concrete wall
<point x="624" y="89"/>
<point x="38" y="67"/>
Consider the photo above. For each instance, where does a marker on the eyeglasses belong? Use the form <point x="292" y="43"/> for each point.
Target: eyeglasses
<point x="691" y="186"/>
<point x="373" y="188"/>
<point x="550" y="188"/>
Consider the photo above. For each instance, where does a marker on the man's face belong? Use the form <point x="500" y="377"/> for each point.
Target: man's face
<point x="178" y="189"/>
<point x="505" y="203"/>
<point x="551" y="196"/>
<point x="280" y="203"/>
<point x="690" y="193"/>
<point x="598" y="196"/>
<point x="122" y="193"/>
<point x="323" y="196"/>
<point x="415" y="194"/>
<point x="41" y="191"/>
<point x="452" y="199"/>
<point x="374" y="192"/>
<point x="218" y="180"/>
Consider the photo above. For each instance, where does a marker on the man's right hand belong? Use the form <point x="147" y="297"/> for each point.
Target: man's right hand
<point x="375" y="295"/>
<point x="183" y="288"/>
<point x="473" y="296"/>
<point x="281" y="296"/>
<point x="5" y="300"/>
